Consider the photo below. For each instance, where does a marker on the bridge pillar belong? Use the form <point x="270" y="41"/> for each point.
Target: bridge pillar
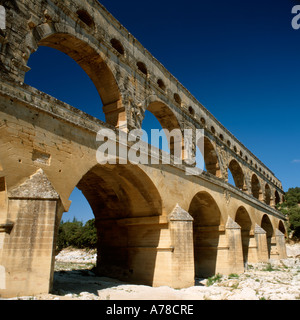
<point x="252" y="249"/>
<point x="181" y="229"/>
<point x="261" y="242"/>
<point x="28" y="250"/>
<point x="280" y="244"/>
<point x="235" y="259"/>
<point x="272" y="202"/>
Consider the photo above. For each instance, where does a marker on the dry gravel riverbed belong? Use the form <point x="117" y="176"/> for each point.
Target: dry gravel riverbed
<point x="73" y="280"/>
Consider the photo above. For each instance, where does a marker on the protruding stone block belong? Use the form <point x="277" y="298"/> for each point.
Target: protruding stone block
<point x="29" y="249"/>
<point x="181" y="229"/>
<point x="280" y="244"/>
<point x="261" y="241"/>
<point x="235" y="249"/>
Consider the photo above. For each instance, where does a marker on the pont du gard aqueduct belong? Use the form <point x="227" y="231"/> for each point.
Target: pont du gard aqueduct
<point x="156" y="225"/>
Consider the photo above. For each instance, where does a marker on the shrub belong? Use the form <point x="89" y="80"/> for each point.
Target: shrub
<point x="77" y="235"/>
<point x="213" y="279"/>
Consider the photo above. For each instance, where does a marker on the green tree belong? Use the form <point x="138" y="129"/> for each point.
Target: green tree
<point x="291" y="208"/>
<point x="294" y="221"/>
<point x="88" y="237"/>
<point x="77" y="235"/>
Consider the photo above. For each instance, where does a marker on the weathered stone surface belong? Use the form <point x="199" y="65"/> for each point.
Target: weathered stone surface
<point x="178" y="214"/>
<point x="47" y="148"/>
<point x="36" y="187"/>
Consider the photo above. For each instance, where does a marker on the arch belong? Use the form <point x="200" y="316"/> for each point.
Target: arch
<point x="85" y="17"/>
<point x="281" y="227"/>
<point x="161" y="84"/>
<point x="117" y="193"/>
<point x="267" y="194"/>
<point x="267" y="226"/>
<point x="237" y="174"/>
<point x="255" y="187"/>
<point x="191" y="111"/>
<point x="62" y="78"/>
<point x="277" y="197"/>
<point x="142" y="67"/>
<point x="242" y="218"/>
<point x="210" y="156"/>
<point x="91" y="61"/>
<point x="177" y="98"/>
<point x="117" y="45"/>
<point x="132" y="191"/>
<point x="206" y="233"/>
<point x="168" y="122"/>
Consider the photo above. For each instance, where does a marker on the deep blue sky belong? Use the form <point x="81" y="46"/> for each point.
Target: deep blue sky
<point x="241" y="60"/>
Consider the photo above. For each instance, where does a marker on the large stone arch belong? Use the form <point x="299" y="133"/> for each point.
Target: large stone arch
<point x="118" y="195"/>
<point x="256" y="187"/>
<point x="277" y="197"/>
<point x="242" y="218"/>
<point x="267" y="226"/>
<point x="91" y="59"/>
<point x="237" y="174"/>
<point x="169" y="123"/>
<point x="268" y="194"/>
<point x="210" y="156"/>
<point x="207" y="227"/>
<point x="282" y="228"/>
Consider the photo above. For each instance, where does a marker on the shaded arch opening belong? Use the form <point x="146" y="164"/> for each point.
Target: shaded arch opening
<point x="116" y="44"/>
<point x="277" y="197"/>
<point x="177" y="98"/>
<point x="255" y="187"/>
<point x="85" y="17"/>
<point x="116" y="194"/>
<point x="210" y="157"/>
<point x="94" y="66"/>
<point x="237" y="174"/>
<point x="206" y="233"/>
<point x="161" y="84"/>
<point x="267" y="226"/>
<point x="142" y="67"/>
<point x="282" y="228"/>
<point x="267" y="194"/>
<point x="242" y="218"/>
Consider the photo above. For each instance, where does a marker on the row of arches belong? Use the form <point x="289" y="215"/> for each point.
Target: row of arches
<point x="107" y="87"/>
<point x="209" y="233"/>
<point x="123" y="192"/>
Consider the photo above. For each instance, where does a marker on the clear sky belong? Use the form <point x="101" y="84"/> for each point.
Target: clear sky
<point x="240" y="59"/>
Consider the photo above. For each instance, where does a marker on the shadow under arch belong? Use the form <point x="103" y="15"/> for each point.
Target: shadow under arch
<point x="90" y="60"/>
<point x="117" y="193"/>
<point x="277" y="197"/>
<point x="267" y="226"/>
<point x="242" y="218"/>
<point x="267" y="194"/>
<point x="282" y="228"/>
<point x="255" y="187"/>
<point x="210" y="156"/>
<point x="207" y="228"/>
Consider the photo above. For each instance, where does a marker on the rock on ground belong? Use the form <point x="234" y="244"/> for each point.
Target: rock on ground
<point x="278" y="280"/>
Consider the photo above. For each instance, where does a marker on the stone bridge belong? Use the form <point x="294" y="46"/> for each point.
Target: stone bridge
<point x="156" y="225"/>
